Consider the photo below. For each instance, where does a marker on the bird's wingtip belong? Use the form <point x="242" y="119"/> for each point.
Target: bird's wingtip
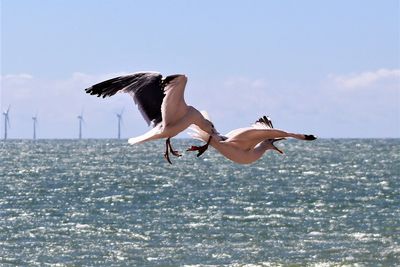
<point x="309" y="137"/>
<point x="132" y="141"/>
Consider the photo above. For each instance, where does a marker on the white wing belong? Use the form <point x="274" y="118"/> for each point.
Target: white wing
<point x="248" y="137"/>
<point x="174" y="106"/>
<point x="153" y="134"/>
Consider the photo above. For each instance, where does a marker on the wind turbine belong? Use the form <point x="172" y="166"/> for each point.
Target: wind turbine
<point x="34" y="118"/>
<point x="119" y="116"/>
<point x="6" y="122"/>
<point x="80" y="118"/>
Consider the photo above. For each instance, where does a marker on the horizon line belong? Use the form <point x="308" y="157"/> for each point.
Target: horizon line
<point x="182" y="138"/>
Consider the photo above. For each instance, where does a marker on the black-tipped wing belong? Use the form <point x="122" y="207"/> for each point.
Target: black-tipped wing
<point x="146" y="88"/>
<point x="263" y="122"/>
<point x="248" y="137"/>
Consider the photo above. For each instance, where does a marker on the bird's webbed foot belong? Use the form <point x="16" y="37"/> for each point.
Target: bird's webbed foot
<point x="166" y="156"/>
<point x="174" y="152"/>
<point x="200" y="149"/>
<point x="168" y="148"/>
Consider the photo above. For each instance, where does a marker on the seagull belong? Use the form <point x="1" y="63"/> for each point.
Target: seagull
<point x="246" y="145"/>
<point x="161" y="103"/>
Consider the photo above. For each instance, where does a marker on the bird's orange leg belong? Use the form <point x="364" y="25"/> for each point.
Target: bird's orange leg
<point x="201" y="149"/>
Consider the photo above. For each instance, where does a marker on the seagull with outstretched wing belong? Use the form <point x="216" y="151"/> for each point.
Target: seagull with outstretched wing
<point x="246" y="145"/>
<point x="161" y="103"/>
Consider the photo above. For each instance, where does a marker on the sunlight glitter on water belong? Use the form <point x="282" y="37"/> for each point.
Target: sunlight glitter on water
<point x="102" y="202"/>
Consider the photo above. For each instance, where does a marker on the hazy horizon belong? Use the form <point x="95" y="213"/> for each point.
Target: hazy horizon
<point x="327" y="68"/>
<point x="184" y="138"/>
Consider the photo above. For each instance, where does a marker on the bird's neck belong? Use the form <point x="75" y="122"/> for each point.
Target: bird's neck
<point x="198" y="119"/>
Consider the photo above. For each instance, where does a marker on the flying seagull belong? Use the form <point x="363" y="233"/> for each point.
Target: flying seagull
<point x="246" y="145"/>
<point x="161" y="103"/>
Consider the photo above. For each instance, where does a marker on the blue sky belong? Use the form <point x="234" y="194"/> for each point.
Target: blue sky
<point x="331" y="68"/>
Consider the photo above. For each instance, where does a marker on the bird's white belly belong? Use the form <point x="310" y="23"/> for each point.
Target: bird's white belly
<point x="236" y="154"/>
<point x="173" y="129"/>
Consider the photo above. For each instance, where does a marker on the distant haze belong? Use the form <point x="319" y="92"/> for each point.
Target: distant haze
<point x="328" y="68"/>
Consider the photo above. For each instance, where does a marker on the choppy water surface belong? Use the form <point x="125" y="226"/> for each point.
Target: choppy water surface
<point x="103" y="202"/>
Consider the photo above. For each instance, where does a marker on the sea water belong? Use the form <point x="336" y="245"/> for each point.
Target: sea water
<point x="106" y="203"/>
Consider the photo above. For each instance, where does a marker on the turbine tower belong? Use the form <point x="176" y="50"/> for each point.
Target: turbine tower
<point x="6" y="122"/>
<point x="80" y="118"/>
<point x="119" y="116"/>
<point x="34" y="126"/>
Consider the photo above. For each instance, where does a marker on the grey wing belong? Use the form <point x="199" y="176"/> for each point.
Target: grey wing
<point x="146" y="88"/>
